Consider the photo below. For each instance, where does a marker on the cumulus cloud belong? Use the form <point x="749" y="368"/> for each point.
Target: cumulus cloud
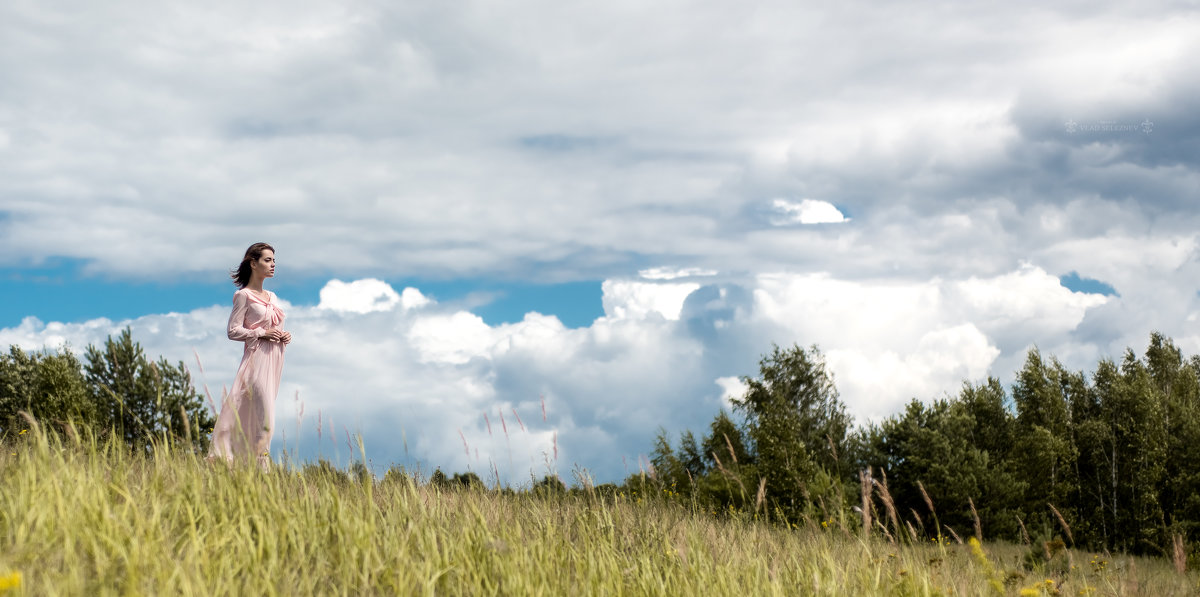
<point x="451" y="338"/>
<point x="624" y="299"/>
<point x="807" y="211"/>
<point x="419" y="383"/>
<point x="364" y="296"/>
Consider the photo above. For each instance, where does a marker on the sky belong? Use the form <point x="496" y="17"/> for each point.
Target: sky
<point x="519" y="238"/>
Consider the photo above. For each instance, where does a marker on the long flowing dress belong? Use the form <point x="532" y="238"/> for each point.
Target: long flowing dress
<point x="247" y="418"/>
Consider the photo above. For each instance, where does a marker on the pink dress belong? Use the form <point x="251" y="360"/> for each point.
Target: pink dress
<point x="247" y="418"/>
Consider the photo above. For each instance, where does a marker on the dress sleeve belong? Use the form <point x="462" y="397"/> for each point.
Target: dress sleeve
<point x="236" y="330"/>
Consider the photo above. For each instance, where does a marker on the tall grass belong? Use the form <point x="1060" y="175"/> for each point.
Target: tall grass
<point x="85" y="517"/>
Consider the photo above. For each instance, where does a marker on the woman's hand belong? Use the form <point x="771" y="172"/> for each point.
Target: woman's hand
<point x="277" y="336"/>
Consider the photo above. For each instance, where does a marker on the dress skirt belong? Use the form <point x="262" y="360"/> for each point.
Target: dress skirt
<point x="247" y="418"/>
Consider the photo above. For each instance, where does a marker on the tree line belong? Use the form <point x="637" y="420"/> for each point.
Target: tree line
<point x="117" y="389"/>
<point x="1108" y="459"/>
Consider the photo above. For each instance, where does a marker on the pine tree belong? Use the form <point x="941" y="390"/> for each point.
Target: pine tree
<point x="1046" y="454"/>
<point x="142" y="400"/>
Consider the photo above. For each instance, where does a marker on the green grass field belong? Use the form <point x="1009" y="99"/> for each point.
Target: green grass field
<point x="80" y="518"/>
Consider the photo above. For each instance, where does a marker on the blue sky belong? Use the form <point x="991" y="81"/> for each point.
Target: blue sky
<point x="612" y="209"/>
<point x="60" y="292"/>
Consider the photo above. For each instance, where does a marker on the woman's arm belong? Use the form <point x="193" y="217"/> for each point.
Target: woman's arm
<point x="236" y="330"/>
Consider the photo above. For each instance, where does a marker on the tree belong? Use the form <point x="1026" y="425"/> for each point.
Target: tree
<point x="1142" y="432"/>
<point x="730" y="474"/>
<point x="796" y="424"/>
<point x="439" y="479"/>
<point x="47" y="385"/>
<point x="1114" y="454"/>
<point x="1042" y="393"/>
<point x="669" y="470"/>
<point x="957" y="450"/>
<point x="691" y="457"/>
<point x="467" y="480"/>
<point x="725" y="443"/>
<point x="141" y="400"/>
<point x="550" y="486"/>
<point x="1179" y="381"/>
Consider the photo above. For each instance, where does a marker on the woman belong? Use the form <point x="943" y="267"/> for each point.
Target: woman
<point x="247" y="416"/>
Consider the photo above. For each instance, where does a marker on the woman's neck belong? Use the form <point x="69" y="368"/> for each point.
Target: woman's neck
<point x="255" y="284"/>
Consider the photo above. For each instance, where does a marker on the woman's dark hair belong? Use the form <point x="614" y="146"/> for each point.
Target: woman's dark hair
<point x="241" y="273"/>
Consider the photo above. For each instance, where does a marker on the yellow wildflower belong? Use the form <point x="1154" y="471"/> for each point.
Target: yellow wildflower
<point x="9" y="582"/>
<point x="977" y="551"/>
<point x="23" y="432"/>
<point x="986" y="564"/>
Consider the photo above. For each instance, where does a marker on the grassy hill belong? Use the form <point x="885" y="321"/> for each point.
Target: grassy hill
<point x="79" y="517"/>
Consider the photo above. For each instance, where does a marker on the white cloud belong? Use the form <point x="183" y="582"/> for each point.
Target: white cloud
<point x="624" y="299"/>
<point x="877" y="383"/>
<point x="808" y="211"/>
<point x="669" y="273"/>
<point x="1023" y="304"/>
<point x="892" y="340"/>
<point x="732" y="388"/>
<point x="451" y="338"/>
<point x="364" y="296"/>
<point x="411" y="298"/>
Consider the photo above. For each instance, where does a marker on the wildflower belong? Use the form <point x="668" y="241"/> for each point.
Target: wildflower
<point x="977" y="551"/>
<point x="9" y="582"/>
<point x="986" y="564"/>
<point x="23" y="432"/>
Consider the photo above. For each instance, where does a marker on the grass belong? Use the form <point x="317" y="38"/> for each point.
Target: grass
<point x="87" y="518"/>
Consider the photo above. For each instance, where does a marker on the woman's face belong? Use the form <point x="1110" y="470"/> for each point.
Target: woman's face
<point x="265" y="265"/>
